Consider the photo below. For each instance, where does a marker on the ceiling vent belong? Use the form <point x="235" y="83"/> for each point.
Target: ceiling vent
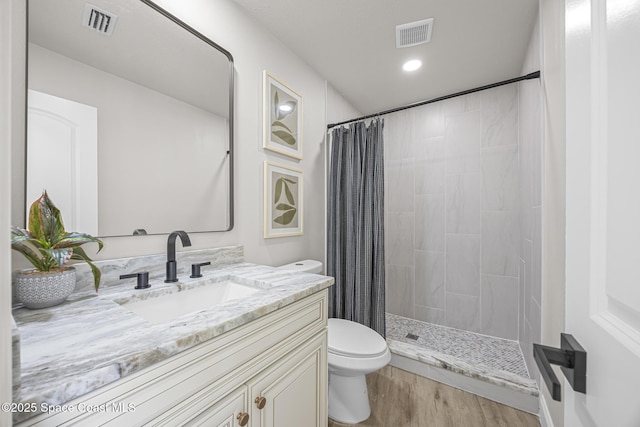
<point x="414" y="33"/>
<point x="99" y="20"/>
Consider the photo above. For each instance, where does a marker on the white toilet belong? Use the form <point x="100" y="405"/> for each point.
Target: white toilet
<point x="354" y="351"/>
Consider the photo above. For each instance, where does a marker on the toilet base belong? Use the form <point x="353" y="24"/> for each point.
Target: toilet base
<point x="348" y="399"/>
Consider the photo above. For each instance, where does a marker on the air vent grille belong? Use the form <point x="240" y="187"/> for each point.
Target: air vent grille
<point x="414" y="33"/>
<point x="99" y="20"/>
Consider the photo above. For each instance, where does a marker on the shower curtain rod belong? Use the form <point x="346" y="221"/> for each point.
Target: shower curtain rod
<point x="534" y="75"/>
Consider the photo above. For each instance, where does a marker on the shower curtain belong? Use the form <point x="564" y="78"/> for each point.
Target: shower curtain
<point x="355" y="235"/>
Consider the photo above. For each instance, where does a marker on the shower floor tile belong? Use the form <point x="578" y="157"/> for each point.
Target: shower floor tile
<point x="492" y="359"/>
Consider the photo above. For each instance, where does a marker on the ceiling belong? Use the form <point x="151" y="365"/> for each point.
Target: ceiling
<point x="351" y="43"/>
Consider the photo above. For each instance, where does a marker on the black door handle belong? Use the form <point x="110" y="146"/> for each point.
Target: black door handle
<point x="573" y="361"/>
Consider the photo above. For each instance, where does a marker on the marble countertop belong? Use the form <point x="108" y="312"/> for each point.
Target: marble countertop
<point x="92" y="340"/>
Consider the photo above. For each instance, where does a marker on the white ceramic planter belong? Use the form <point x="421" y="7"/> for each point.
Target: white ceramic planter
<point x="39" y="289"/>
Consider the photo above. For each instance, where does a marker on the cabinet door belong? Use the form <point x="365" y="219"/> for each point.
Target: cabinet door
<point x="228" y="412"/>
<point x="294" y="389"/>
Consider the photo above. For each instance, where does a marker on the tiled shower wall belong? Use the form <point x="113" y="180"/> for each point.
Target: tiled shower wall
<point x="452" y="201"/>
<point x="530" y="107"/>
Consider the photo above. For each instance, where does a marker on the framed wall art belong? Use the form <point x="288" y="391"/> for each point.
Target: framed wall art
<point x="283" y="207"/>
<point x="282" y="117"/>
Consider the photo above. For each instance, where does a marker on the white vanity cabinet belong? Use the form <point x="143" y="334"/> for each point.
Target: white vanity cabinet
<point x="271" y="371"/>
<point x="289" y="393"/>
<point x="230" y="411"/>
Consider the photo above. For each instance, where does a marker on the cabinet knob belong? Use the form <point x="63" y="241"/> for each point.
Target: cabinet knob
<point x="260" y="402"/>
<point x="243" y="418"/>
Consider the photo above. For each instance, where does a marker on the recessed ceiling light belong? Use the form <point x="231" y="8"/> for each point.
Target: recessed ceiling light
<point x="285" y="108"/>
<point x="412" y="65"/>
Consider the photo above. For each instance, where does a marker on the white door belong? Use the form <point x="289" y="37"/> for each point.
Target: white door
<point x="603" y="208"/>
<point x="62" y="157"/>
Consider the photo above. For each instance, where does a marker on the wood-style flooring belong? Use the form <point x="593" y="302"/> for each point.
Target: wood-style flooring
<point x="402" y="399"/>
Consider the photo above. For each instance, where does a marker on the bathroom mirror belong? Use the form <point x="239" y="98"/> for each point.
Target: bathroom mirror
<point x="130" y="119"/>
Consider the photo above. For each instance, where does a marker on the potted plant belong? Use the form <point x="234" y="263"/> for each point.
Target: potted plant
<point x="47" y="246"/>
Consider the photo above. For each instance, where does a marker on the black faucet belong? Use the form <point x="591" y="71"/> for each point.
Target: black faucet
<point x="172" y="275"/>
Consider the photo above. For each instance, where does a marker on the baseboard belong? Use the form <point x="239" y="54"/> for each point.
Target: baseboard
<point x="545" y="416"/>
<point x="519" y="400"/>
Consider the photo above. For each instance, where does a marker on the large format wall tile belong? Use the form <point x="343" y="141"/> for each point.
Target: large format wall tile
<point x="500" y="116"/>
<point x="530" y="133"/>
<point x="429" y="166"/>
<point x="536" y="256"/>
<point x="429" y="270"/>
<point x="463" y="264"/>
<point x="399" y="290"/>
<point x="463" y="312"/>
<point x="500" y="243"/>
<point x="499" y="301"/>
<point x="399" y="238"/>
<point x="429" y="223"/>
<point x="463" y="142"/>
<point x="527" y="348"/>
<point x="399" y="185"/>
<point x="455" y="175"/>
<point x="501" y="180"/>
<point x="431" y="315"/>
<point x="521" y="300"/>
<point x="462" y="104"/>
<point x="398" y="136"/>
<point x="464" y="203"/>
<point x="526" y="219"/>
<point x="527" y="257"/>
<point x="428" y="121"/>
<point x="535" y="321"/>
<point x="536" y="146"/>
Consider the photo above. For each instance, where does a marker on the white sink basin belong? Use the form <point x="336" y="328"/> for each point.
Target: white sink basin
<point x="170" y="306"/>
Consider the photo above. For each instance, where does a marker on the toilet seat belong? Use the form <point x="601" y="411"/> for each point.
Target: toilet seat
<point x="351" y="339"/>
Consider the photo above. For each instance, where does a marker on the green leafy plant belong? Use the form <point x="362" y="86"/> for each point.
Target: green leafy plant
<point x="46" y="244"/>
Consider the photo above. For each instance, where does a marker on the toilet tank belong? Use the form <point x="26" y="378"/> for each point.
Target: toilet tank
<point x="304" y="266"/>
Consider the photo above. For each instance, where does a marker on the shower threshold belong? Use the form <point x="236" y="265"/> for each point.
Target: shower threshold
<point x="488" y="366"/>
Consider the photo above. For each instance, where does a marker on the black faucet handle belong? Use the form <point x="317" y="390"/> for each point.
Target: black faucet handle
<point x="195" y="269"/>
<point x="143" y="279"/>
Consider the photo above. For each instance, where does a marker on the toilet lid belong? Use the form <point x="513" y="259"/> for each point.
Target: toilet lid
<point x="348" y="338"/>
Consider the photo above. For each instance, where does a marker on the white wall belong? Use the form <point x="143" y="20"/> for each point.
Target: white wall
<point x="339" y="109"/>
<point x="12" y="89"/>
<point x="254" y="50"/>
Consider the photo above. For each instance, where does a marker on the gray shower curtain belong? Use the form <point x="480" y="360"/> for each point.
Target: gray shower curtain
<point x="355" y="234"/>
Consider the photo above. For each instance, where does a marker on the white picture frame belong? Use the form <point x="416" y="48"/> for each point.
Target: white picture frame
<point x="283" y="200"/>
<point x="282" y="117"/>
